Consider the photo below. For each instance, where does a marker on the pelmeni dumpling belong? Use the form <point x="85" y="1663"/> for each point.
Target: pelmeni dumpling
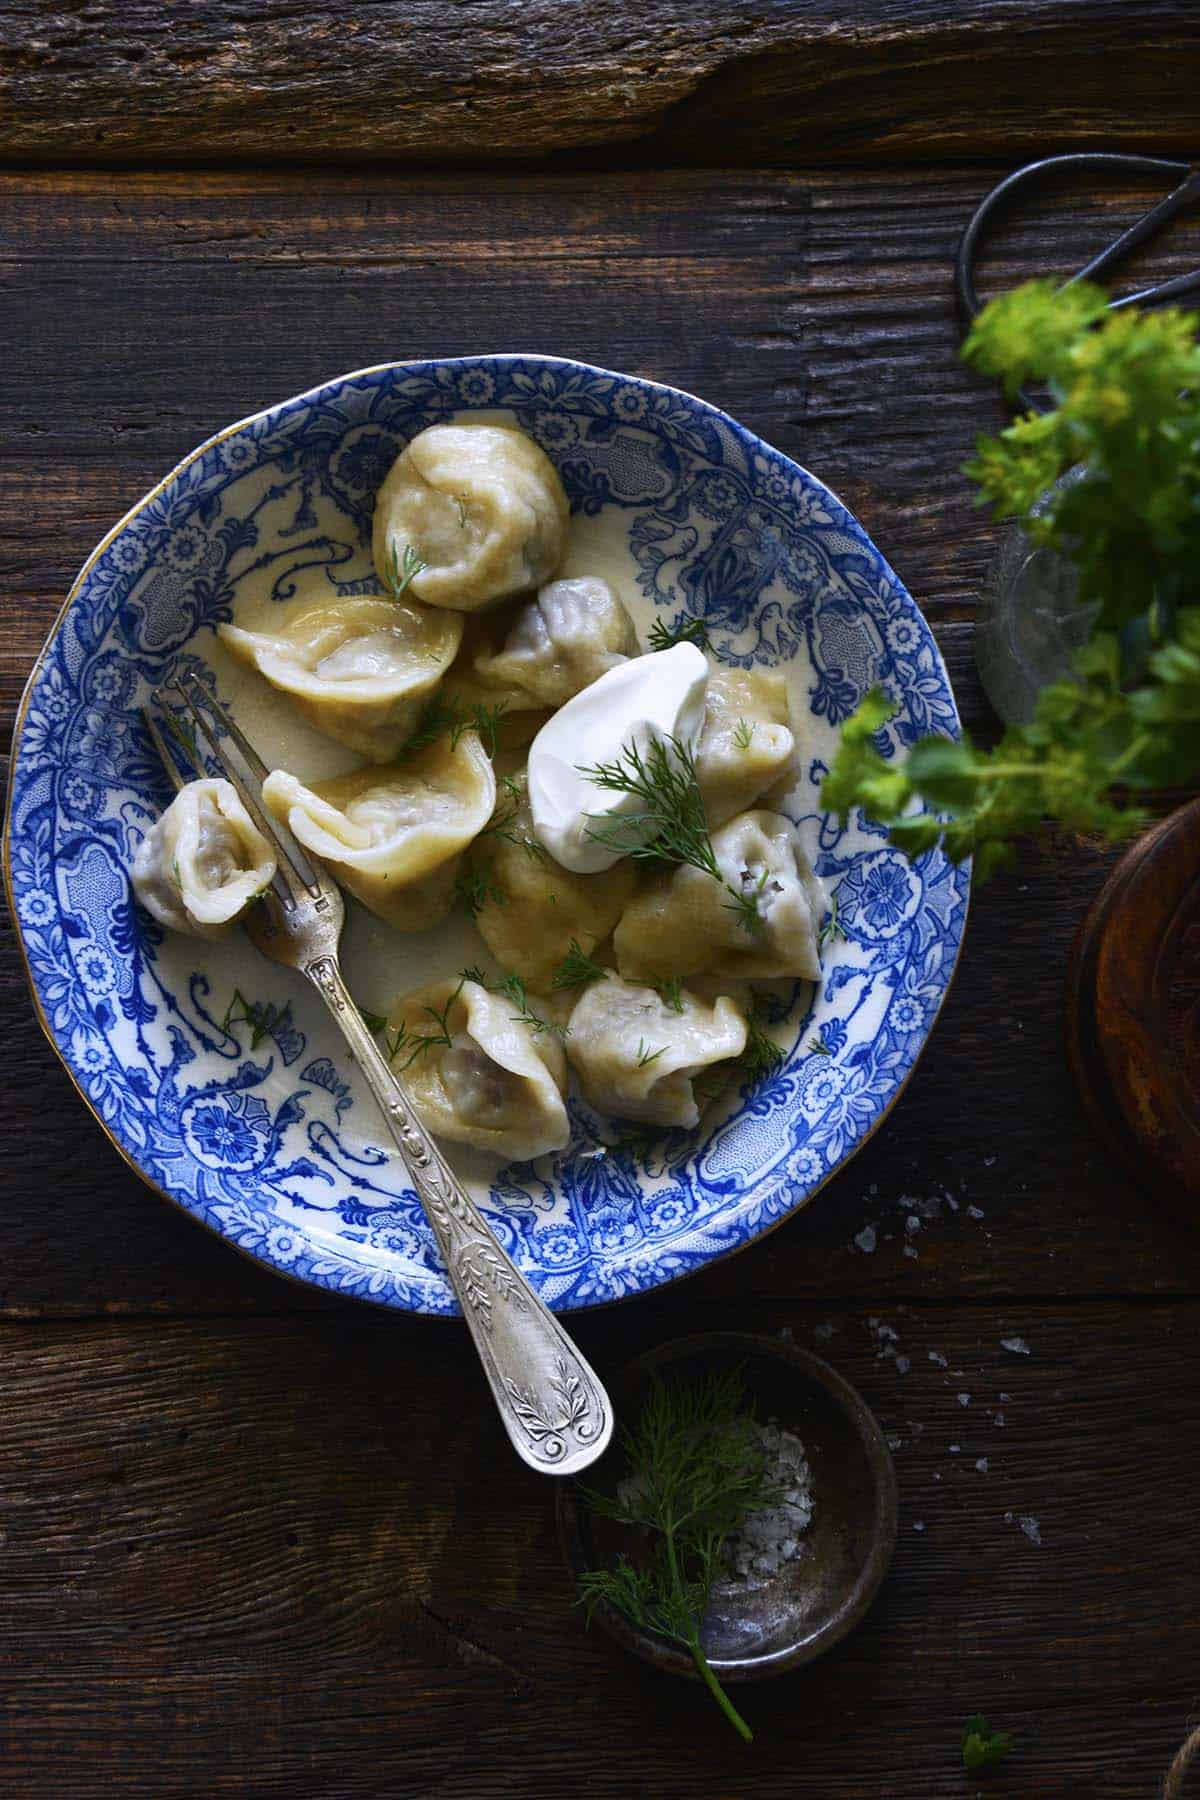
<point x="479" y="507"/>
<point x="360" y="670"/>
<point x="530" y="907"/>
<point x="745" y="742"/>
<point x="686" y="922"/>
<point x="394" y="836"/>
<point x="485" y="1075"/>
<point x="637" y="1057"/>
<point x="574" y="631"/>
<point x="201" y="864"/>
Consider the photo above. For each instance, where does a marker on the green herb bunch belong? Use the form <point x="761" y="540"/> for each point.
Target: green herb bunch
<point x="1125" y="388"/>
<point x="696" y="1469"/>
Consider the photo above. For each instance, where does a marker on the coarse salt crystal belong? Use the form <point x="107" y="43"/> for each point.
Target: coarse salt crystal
<point x="964" y="1399"/>
<point x="912" y="1224"/>
<point x="975" y="1212"/>
<point x="1017" y="1345"/>
<point x="866" y="1240"/>
<point x="918" y="1524"/>
<point x="903" y="1365"/>
<point x="954" y="1449"/>
<point x="1031" y="1528"/>
<point x="941" y="1361"/>
<point x="982" y="1465"/>
<point x="769" y="1537"/>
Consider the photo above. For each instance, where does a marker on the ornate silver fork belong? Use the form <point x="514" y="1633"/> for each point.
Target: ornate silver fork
<point x="553" y="1406"/>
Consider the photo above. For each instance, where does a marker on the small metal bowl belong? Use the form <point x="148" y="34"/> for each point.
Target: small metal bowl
<point x="817" y="1599"/>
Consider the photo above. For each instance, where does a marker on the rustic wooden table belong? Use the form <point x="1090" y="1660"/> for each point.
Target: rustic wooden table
<point x="253" y="1542"/>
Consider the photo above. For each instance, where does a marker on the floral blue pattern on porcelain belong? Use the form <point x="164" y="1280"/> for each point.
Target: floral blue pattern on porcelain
<point x="270" y="1144"/>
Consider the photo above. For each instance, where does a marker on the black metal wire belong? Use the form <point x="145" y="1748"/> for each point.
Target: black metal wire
<point x="1006" y="192"/>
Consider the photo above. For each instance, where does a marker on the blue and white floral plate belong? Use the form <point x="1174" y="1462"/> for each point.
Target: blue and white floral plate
<point x="273" y="1144"/>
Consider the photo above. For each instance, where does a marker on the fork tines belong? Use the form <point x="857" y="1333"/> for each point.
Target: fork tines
<point x="210" y="720"/>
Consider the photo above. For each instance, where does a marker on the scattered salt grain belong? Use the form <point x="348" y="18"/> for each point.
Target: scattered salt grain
<point x="982" y="1465"/>
<point x="989" y="1162"/>
<point x="954" y="1449"/>
<point x="937" y="1475"/>
<point x="824" y="1331"/>
<point x="866" y="1240"/>
<point x="1017" y="1345"/>
<point x="787" y="1334"/>
<point x="895" y="1443"/>
<point x="951" y="1203"/>
<point x="770" y="1536"/>
<point x="1006" y="1396"/>
<point x="998" y="1419"/>
<point x="911" y="1253"/>
<point x="964" y="1399"/>
<point x="912" y="1224"/>
<point x="1031" y="1528"/>
<point x="941" y="1361"/>
<point x="903" y="1365"/>
<point x="976" y="1212"/>
<point x="918" y="1524"/>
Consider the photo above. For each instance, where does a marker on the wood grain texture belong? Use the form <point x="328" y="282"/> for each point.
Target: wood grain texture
<point x="275" y="1558"/>
<point x="697" y="80"/>
<point x="815" y="308"/>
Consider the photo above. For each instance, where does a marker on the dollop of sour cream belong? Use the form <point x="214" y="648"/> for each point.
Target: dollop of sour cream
<point x="647" y="699"/>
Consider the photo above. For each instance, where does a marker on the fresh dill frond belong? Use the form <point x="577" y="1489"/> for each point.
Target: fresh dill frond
<point x="743" y="903"/>
<point x="403" y="570"/>
<point x="743" y="734"/>
<point x="696" y="1469"/>
<point x="503" y="824"/>
<point x="410" y="1044"/>
<point x="374" y="1022"/>
<point x="671" y="991"/>
<point x="833" y="927"/>
<point x="513" y="988"/>
<point x="645" y="1055"/>
<point x="576" y="969"/>
<point x="460" y="500"/>
<point x="176" y="877"/>
<point x="818" y="1047"/>
<point x="450" y="718"/>
<point x="264" y="1019"/>
<point x="762" y="1055"/>
<point x="671" y="826"/>
<point x="662" y="636"/>
<point x="475" y="889"/>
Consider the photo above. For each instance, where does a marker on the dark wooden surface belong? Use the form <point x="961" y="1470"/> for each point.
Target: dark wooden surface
<point x="254" y="1542"/>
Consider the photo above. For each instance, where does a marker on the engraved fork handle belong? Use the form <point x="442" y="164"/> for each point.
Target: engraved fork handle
<point x="553" y="1406"/>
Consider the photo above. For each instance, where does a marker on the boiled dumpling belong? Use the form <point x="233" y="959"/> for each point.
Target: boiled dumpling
<point x="574" y="631"/>
<point x="360" y="670"/>
<point x="686" y="922"/>
<point x="484" y="1075"/>
<point x="529" y="907"/>
<point x="637" y="1056"/>
<point x="477" y="511"/>
<point x="394" y="836"/>
<point x="201" y="864"/>
<point x="745" y="742"/>
<point x="519" y="717"/>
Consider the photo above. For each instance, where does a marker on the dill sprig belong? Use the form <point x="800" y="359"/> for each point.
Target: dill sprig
<point x="743" y="734"/>
<point x="460" y="500"/>
<point x="404" y="570"/>
<point x="264" y="1019"/>
<point x="671" y="991"/>
<point x="450" y="718"/>
<point x="503" y="823"/>
<point x="662" y="636"/>
<point x="576" y="969"/>
<point x="818" y="1047"/>
<point x="670" y="826"/>
<point x="513" y="988"/>
<point x="646" y="1056"/>
<point x="832" y="927"/>
<point x="411" y="1044"/>
<point x="697" y="1468"/>
<point x="982" y="1747"/>
<point x="474" y="889"/>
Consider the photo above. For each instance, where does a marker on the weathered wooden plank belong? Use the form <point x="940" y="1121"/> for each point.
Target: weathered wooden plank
<point x="268" y="1558"/>
<point x="912" y="78"/>
<point x="816" y="308"/>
